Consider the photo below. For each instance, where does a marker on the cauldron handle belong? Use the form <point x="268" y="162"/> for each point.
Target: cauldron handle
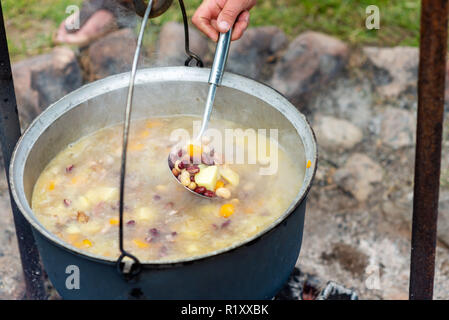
<point x="191" y="56"/>
<point x="136" y="266"/>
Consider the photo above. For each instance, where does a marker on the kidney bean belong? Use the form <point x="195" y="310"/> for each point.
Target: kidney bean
<point x="69" y="168"/>
<point x="154" y="232"/>
<point x="193" y="169"/>
<point x="209" y="194"/>
<point x="171" y="237"/>
<point x="225" y="224"/>
<point x="181" y="165"/>
<point x="131" y="223"/>
<point x="200" y="190"/>
<point x="192" y="178"/>
<point x="207" y="160"/>
<point x="156" y="197"/>
<point x="67" y="202"/>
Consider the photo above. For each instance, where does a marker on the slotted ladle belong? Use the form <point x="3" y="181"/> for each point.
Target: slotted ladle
<point x="215" y="78"/>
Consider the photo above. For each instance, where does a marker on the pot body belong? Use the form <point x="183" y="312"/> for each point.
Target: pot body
<point x="254" y="269"/>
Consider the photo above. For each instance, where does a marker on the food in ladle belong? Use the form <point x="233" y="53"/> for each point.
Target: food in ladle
<point x="76" y="196"/>
<point x="198" y="168"/>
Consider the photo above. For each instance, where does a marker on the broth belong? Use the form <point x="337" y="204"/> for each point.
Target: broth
<point x="76" y="196"/>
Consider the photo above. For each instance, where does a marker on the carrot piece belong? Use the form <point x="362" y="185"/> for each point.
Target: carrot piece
<point x="195" y="150"/>
<point x="220" y="184"/>
<point x="113" y="221"/>
<point x="51" y="185"/>
<point x="136" y="146"/>
<point x="154" y="123"/>
<point x="87" y="243"/>
<point x="309" y="164"/>
<point x="141" y="244"/>
<point x="144" y="134"/>
<point x="227" y="210"/>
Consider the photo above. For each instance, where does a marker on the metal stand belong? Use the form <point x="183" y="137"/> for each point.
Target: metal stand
<point x="431" y="84"/>
<point x="9" y="134"/>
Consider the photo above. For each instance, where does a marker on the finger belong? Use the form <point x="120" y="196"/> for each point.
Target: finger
<point x="214" y="24"/>
<point x="206" y="27"/>
<point x="202" y="20"/>
<point x="229" y="13"/>
<point x="240" y="26"/>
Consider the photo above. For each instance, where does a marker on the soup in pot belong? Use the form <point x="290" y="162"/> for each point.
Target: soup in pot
<point x="76" y="196"/>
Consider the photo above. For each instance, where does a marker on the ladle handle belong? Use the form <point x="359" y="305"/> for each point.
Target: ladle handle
<point x="221" y="55"/>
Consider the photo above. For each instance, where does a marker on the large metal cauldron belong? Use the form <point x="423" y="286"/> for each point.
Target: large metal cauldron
<point x="254" y="269"/>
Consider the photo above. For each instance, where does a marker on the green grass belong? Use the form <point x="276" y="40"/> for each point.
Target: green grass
<point x="345" y="19"/>
<point x="31" y="23"/>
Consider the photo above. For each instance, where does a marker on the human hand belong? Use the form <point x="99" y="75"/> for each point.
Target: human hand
<point x="215" y="16"/>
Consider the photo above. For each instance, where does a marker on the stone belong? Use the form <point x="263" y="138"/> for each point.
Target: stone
<point x="334" y="134"/>
<point x="443" y="218"/>
<point x="110" y="55"/>
<point x="41" y="80"/>
<point x="254" y="54"/>
<point x="358" y="175"/>
<point x="311" y="60"/>
<point x="170" y="46"/>
<point x="12" y="285"/>
<point x="400" y="65"/>
<point x="349" y="99"/>
<point x="349" y="258"/>
<point x="62" y="76"/>
<point x="397" y="128"/>
<point x="27" y="98"/>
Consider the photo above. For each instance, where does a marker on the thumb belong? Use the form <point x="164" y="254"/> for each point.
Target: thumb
<point x="229" y="14"/>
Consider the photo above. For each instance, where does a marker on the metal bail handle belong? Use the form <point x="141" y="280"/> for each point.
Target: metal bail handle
<point x="191" y="56"/>
<point x="221" y="56"/>
<point x="131" y="268"/>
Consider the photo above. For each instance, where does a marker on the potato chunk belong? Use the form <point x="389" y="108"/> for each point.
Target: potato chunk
<point x="207" y="177"/>
<point x="230" y="176"/>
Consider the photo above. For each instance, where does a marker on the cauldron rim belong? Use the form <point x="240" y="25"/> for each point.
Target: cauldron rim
<point x="170" y="74"/>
